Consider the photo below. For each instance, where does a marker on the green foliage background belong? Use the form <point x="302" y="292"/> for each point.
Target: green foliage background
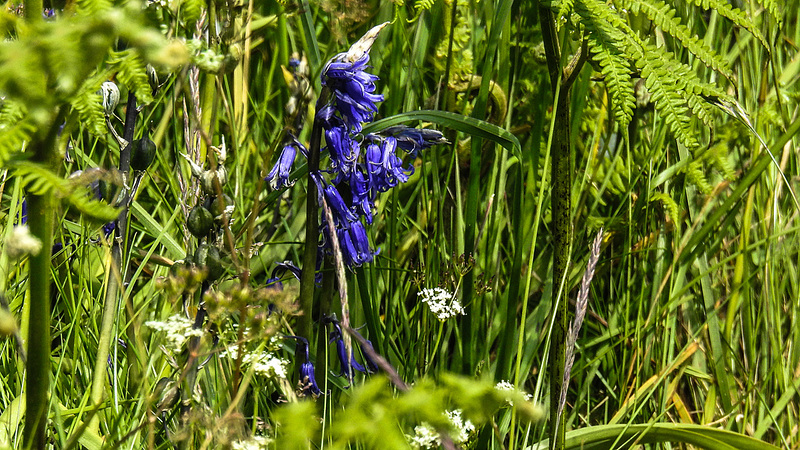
<point x="692" y="313"/>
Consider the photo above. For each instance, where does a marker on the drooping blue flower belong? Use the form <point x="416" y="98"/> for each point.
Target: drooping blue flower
<point x="353" y="89"/>
<point x="278" y="177"/>
<point x="347" y="364"/>
<point x="384" y="167"/>
<point x="372" y="366"/>
<point x="354" y="244"/>
<point x="363" y="197"/>
<point x="307" y="378"/>
<point x="343" y="149"/>
<point x="412" y="140"/>
<point x="342" y="214"/>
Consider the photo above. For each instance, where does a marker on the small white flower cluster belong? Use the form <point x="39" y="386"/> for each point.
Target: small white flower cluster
<point x="177" y="328"/>
<point x="264" y="363"/>
<point x="508" y="387"/>
<point x="253" y="443"/>
<point x="442" y="304"/>
<point x="21" y="242"/>
<point x="425" y="436"/>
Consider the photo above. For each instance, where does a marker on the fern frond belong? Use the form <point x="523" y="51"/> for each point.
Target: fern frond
<point x="695" y="175"/>
<point x="669" y="204"/>
<point x="735" y="15"/>
<point x="605" y="46"/>
<point x="691" y="87"/>
<point x="424" y="5"/>
<point x="774" y="11"/>
<point x="38" y="180"/>
<point x="663" y="16"/>
<point x="719" y="155"/>
<point x="654" y="64"/>
<point x="15" y="129"/>
<point x="616" y="72"/>
<point x="131" y="72"/>
<point x="565" y="8"/>
<point x="88" y="103"/>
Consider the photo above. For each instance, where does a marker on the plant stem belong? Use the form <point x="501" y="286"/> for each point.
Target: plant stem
<point x="312" y="235"/>
<point x="40" y="221"/>
<point x="562" y="227"/>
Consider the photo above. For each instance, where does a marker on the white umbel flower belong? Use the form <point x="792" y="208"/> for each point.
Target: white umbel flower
<point x="509" y="388"/>
<point x="177" y="328"/>
<point x="265" y="364"/>
<point x="425" y="436"/>
<point x="442" y="304"/>
<point x="21" y="242"/>
<point x="253" y="443"/>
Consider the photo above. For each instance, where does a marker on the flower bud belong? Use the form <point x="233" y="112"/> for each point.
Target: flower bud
<point x="110" y="93"/>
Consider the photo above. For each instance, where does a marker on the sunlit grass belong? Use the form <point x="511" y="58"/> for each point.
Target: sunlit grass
<point x="691" y="314"/>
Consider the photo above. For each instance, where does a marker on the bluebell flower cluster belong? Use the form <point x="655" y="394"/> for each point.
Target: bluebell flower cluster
<point x="360" y="167"/>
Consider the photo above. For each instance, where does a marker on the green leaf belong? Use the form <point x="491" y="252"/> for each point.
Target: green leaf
<point x="471" y="126"/>
<point x="619" y="436"/>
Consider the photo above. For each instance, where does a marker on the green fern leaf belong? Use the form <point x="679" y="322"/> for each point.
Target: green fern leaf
<point x="655" y="65"/>
<point x="424" y="5"/>
<point x="565" y="8"/>
<point x="663" y="16"/>
<point x="668" y="203"/>
<point x="604" y="45"/>
<point x="774" y="11"/>
<point x="617" y="75"/>
<point x="38" y="180"/>
<point x="15" y="129"/>
<point x="132" y="73"/>
<point x="735" y="15"/>
<point x="89" y="106"/>
<point x="695" y="175"/>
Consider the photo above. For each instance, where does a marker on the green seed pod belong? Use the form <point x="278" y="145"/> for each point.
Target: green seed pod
<point x="200" y="222"/>
<point x="180" y="267"/>
<point x="142" y="153"/>
<point x="208" y="256"/>
<point x="218" y="206"/>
